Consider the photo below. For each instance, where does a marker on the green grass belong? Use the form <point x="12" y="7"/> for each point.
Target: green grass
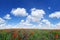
<point x="29" y="34"/>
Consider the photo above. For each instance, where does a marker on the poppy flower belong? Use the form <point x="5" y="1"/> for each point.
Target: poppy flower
<point x="56" y="35"/>
<point x="32" y="33"/>
<point x="14" y="35"/>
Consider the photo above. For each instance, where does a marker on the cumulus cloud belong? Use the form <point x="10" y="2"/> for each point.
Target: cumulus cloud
<point x="44" y="24"/>
<point x="4" y="26"/>
<point x="36" y="15"/>
<point x="37" y="12"/>
<point x="2" y="21"/>
<point x="24" y="24"/>
<point x="45" y="21"/>
<point x="55" y="15"/>
<point x="7" y="16"/>
<point x="19" y="12"/>
<point x="57" y="26"/>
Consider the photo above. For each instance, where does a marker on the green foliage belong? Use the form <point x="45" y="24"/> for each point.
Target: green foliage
<point x="27" y="35"/>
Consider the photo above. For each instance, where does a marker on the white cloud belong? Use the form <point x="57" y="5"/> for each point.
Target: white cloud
<point x="55" y="15"/>
<point x="32" y="19"/>
<point x="45" y="21"/>
<point x="7" y="16"/>
<point x="57" y="26"/>
<point x="4" y="26"/>
<point x="19" y="12"/>
<point x="36" y="15"/>
<point x="46" y="24"/>
<point x="28" y="25"/>
<point x="24" y="24"/>
<point x="2" y="21"/>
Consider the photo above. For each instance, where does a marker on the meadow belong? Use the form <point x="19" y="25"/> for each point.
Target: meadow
<point x="29" y="34"/>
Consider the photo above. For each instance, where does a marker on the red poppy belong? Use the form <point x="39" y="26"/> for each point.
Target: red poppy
<point x="56" y="35"/>
<point x="14" y="35"/>
<point x="32" y="33"/>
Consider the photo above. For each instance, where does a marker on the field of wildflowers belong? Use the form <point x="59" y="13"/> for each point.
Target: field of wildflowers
<point x="30" y="34"/>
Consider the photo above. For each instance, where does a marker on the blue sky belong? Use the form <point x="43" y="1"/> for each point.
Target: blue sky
<point x="32" y="11"/>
